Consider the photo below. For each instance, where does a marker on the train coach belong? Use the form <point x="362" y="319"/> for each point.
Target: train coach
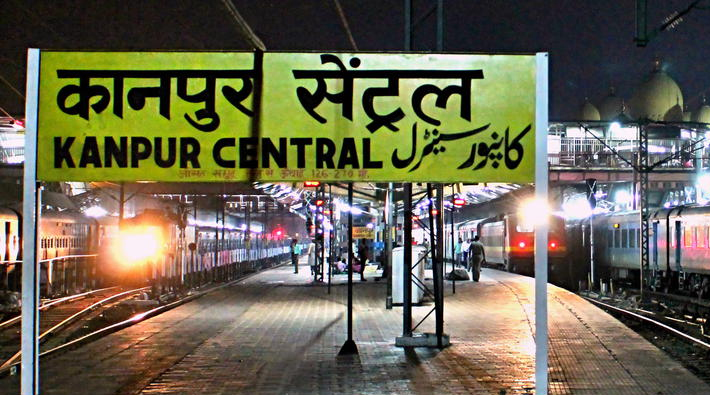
<point x="66" y="251"/>
<point x="679" y="249"/>
<point x="77" y="252"/>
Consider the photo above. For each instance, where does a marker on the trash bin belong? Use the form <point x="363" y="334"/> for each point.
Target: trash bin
<point x="398" y="274"/>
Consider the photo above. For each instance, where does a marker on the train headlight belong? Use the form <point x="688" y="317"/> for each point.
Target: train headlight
<point x="534" y="212"/>
<point x="139" y="245"/>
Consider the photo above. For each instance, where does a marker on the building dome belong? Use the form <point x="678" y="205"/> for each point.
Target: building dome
<point x="611" y="106"/>
<point x="658" y="98"/>
<point x="589" y="112"/>
<point x="687" y="115"/>
<point x="702" y="114"/>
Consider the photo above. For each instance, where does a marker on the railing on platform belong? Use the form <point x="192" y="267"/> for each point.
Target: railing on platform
<point x="576" y="152"/>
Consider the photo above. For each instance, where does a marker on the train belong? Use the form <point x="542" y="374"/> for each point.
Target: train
<point x="77" y="252"/>
<point x="679" y="248"/>
<point x="509" y="243"/>
<point x="173" y="253"/>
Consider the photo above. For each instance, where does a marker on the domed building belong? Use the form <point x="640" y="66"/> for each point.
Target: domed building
<point x="611" y="106"/>
<point x="702" y="114"/>
<point x="589" y="112"/>
<point x="658" y="98"/>
<point x="687" y="115"/>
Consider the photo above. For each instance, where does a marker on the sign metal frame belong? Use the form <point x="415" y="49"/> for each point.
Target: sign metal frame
<point x="31" y="212"/>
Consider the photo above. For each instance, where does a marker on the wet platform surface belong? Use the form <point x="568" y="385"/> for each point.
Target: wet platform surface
<point x="277" y="333"/>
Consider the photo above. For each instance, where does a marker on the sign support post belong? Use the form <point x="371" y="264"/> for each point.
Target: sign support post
<point x="541" y="181"/>
<point x="349" y="347"/>
<point x="30" y="211"/>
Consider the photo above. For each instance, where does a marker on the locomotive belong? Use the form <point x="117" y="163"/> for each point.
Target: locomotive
<point x="509" y="243"/>
<point x="168" y="249"/>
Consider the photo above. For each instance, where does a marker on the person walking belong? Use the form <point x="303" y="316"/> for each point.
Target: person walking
<point x="477" y="255"/>
<point x="362" y="257"/>
<point x="294" y="255"/>
<point x="311" y="252"/>
<point x="457" y="252"/>
<point x="464" y="251"/>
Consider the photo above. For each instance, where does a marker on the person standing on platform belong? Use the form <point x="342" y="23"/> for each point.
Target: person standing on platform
<point x="477" y="256"/>
<point x="312" y="258"/>
<point x="457" y="252"/>
<point x="464" y="251"/>
<point x="294" y="255"/>
<point x="362" y="257"/>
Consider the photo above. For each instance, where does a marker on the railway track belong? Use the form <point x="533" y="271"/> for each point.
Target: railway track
<point x="81" y="320"/>
<point x="679" y="335"/>
<point x="57" y="316"/>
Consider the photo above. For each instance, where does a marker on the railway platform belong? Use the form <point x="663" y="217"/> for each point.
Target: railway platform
<point x="279" y="333"/>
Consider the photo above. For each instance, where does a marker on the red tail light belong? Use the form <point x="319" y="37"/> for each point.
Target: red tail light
<point x="553" y="245"/>
<point x="521" y="244"/>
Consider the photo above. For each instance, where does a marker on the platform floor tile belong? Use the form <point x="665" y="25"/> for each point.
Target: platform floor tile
<point x="278" y="333"/>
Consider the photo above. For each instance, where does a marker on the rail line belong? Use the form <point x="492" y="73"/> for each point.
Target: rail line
<point x="648" y="320"/>
<point x="54" y="323"/>
<point x="54" y="302"/>
<point x="12" y="365"/>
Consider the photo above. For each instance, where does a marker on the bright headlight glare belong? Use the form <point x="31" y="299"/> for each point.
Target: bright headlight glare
<point x="534" y="212"/>
<point x="138" y="245"/>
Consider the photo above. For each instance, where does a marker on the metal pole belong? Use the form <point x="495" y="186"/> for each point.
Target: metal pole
<point x="453" y="251"/>
<point x="440" y="26"/>
<point x="350" y="347"/>
<point x="407" y="25"/>
<point x="248" y="235"/>
<point x="195" y="262"/>
<point x="643" y="203"/>
<point x="216" y="238"/>
<point x="29" y="381"/>
<point x="541" y="183"/>
<point x="591" y="251"/>
<point x="407" y="264"/>
<point x="331" y="235"/>
<point x="388" y="241"/>
<point x="322" y="229"/>
<point x="591" y="190"/>
<point x="438" y="261"/>
<point x="350" y="262"/>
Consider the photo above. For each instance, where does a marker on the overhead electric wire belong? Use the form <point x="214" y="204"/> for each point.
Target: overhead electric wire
<point x="244" y="28"/>
<point x="344" y="21"/>
<point x="6" y="82"/>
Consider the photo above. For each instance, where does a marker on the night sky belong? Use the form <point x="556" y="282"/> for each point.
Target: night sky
<point x="590" y="42"/>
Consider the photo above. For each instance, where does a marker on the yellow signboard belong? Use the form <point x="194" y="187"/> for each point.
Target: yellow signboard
<point x="363" y="232"/>
<point x="180" y="116"/>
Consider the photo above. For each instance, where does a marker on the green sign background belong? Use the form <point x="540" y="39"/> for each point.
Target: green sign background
<point x="504" y="99"/>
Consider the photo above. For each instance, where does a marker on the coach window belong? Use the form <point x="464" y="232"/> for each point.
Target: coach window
<point x="688" y="236"/>
<point x="632" y="238"/>
<point x="624" y="238"/>
<point x="610" y="238"/>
